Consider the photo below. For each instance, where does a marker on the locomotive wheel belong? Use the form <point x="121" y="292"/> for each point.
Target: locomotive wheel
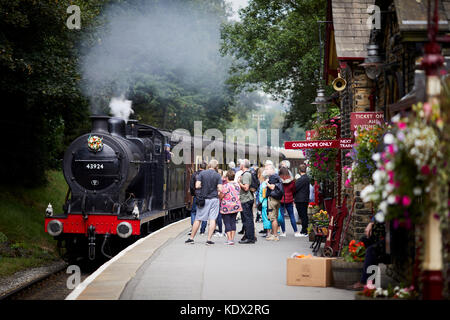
<point x="328" y="252"/>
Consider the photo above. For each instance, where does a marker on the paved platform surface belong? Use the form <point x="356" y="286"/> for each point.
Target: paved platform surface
<point x="196" y="271"/>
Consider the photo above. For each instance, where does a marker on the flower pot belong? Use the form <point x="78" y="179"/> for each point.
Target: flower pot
<point x="346" y="273"/>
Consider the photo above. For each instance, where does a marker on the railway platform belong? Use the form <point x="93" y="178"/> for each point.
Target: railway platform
<point x="162" y="267"/>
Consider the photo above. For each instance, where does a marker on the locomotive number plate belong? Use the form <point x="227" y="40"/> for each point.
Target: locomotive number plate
<point x="94" y="166"/>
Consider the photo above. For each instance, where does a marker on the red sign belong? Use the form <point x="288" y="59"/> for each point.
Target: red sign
<point x="319" y="144"/>
<point x="346" y="143"/>
<point x="366" y="120"/>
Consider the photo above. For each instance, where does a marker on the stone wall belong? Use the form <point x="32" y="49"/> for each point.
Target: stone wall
<point x="355" y="98"/>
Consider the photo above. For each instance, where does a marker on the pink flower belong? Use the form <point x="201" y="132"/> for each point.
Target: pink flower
<point x="427" y="109"/>
<point x="347" y="183"/>
<point x="315" y="164"/>
<point x="425" y="170"/>
<point x="401" y="125"/>
<point x="398" y="199"/>
<point x="370" y="285"/>
<point x="406" y="201"/>
<point x="334" y="125"/>
<point x="348" y="154"/>
<point x="391" y="176"/>
<point x="391" y="149"/>
<point x="332" y="120"/>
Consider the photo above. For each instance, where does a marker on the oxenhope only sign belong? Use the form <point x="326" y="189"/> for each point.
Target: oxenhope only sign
<point x="319" y="144"/>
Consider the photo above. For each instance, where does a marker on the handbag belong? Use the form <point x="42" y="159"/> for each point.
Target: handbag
<point x="199" y="198"/>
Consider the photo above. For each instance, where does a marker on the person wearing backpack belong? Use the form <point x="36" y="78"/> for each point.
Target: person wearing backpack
<point x="246" y="197"/>
<point x="275" y="193"/>
<point x="192" y="191"/>
<point x="301" y="198"/>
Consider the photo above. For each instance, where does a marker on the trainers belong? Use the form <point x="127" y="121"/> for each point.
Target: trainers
<point x="229" y="243"/>
<point x="270" y="238"/>
<point x="202" y="233"/>
<point x="304" y="235"/>
<point x="218" y="234"/>
<point x="283" y="234"/>
<point x="209" y="242"/>
<point x="276" y="239"/>
<point x="297" y="234"/>
<point x="189" y="241"/>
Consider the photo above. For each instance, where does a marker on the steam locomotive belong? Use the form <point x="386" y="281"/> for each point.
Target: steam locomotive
<point x="121" y="186"/>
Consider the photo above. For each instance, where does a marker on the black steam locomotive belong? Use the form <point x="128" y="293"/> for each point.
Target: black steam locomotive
<point x="119" y="180"/>
<point x="122" y="185"/>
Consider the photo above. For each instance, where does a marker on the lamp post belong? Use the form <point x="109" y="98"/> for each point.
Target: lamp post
<point x="258" y="118"/>
<point x="432" y="264"/>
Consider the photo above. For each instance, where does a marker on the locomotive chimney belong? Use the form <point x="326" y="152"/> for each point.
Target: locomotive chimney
<point x="100" y="124"/>
<point x="116" y="127"/>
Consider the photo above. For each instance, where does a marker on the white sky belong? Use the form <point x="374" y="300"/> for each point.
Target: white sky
<point x="236" y="5"/>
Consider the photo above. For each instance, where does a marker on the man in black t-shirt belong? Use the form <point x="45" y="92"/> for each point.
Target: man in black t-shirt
<point x="208" y="186"/>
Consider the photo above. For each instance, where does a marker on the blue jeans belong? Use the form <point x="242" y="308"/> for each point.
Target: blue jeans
<point x="193" y="212"/>
<point x="290" y="209"/>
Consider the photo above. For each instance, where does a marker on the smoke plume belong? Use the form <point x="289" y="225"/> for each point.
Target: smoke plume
<point x="152" y="44"/>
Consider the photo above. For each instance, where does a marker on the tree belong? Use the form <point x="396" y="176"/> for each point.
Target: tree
<point x="275" y="46"/>
<point x="43" y="106"/>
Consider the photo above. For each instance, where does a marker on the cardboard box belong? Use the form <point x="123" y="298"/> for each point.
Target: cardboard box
<point x="309" y="272"/>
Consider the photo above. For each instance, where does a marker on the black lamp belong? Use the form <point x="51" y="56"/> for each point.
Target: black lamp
<point x="321" y="100"/>
<point x="372" y="63"/>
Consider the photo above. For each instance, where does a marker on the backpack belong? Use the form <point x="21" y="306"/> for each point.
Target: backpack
<point x="254" y="185"/>
<point x="278" y="192"/>
<point x="192" y="183"/>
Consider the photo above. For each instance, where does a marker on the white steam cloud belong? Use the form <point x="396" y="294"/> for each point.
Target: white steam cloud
<point x="121" y="107"/>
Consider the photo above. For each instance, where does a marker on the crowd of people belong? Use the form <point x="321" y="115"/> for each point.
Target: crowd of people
<point x="222" y="196"/>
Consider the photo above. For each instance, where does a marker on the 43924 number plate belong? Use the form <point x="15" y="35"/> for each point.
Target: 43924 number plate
<point x="94" y="166"/>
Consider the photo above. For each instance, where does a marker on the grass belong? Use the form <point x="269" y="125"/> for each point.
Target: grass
<point x="23" y="241"/>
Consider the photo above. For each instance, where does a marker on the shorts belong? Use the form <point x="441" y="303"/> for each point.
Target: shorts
<point x="273" y="206"/>
<point x="209" y="211"/>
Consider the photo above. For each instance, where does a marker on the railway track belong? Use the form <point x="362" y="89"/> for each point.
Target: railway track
<point x="52" y="285"/>
<point x="49" y="286"/>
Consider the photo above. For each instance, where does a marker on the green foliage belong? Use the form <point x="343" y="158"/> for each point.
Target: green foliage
<point x="354" y="252"/>
<point x="23" y="241"/>
<point x="366" y="144"/>
<point x="39" y="86"/>
<point x="275" y="46"/>
<point x="323" y="161"/>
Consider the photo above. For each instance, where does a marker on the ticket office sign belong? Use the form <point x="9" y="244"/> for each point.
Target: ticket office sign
<point x="367" y="120"/>
<point x="319" y="144"/>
